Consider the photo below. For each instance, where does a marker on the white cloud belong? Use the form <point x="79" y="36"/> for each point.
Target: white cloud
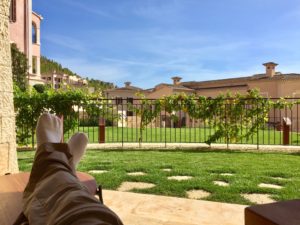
<point x="64" y="41"/>
<point x="87" y="7"/>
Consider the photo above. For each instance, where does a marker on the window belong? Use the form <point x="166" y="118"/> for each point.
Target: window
<point x="130" y="100"/>
<point x="119" y="100"/>
<point x="13" y="11"/>
<point x="129" y="104"/>
<point x="34" y="33"/>
<point x="34" y="65"/>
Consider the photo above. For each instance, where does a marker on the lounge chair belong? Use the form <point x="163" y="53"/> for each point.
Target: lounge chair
<point x="11" y="192"/>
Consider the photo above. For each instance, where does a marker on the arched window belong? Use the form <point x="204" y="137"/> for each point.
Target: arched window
<point x="13" y="11"/>
<point x="34" y="33"/>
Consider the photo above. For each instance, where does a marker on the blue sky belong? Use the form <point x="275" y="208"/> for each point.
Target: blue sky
<point x="149" y="41"/>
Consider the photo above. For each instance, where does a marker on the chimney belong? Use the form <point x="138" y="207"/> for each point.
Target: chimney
<point x="270" y="69"/>
<point x="127" y="84"/>
<point x="176" y="80"/>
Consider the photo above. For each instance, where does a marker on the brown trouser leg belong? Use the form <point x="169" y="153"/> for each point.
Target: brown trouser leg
<point x="54" y="195"/>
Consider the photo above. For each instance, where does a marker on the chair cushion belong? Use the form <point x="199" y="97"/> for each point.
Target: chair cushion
<point x="11" y="193"/>
<point x="283" y="213"/>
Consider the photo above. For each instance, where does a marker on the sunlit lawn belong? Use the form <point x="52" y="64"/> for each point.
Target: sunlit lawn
<point x="248" y="169"/>
<point x="177" y="135"/>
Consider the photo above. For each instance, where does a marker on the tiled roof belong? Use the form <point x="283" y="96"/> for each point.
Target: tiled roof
<point x="238" y="80"/>
<point x="129" y="88"/>
<point x="172" y="86"/>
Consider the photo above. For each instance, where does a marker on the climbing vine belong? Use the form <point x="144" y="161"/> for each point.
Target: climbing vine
<point x="30" y="104"/>
<point x="232" y="117"/>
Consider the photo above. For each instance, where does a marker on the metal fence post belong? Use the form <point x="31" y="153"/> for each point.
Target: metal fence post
<point x="286" y="130"/>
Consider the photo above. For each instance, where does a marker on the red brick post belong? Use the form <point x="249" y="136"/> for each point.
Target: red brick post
<point x="101" y="130"/>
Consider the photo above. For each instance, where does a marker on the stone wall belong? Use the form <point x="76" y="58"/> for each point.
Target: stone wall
<point x="8" y="154"/>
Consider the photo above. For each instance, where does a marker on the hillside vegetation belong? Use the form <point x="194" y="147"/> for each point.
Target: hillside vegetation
<point x="48" y="66"/>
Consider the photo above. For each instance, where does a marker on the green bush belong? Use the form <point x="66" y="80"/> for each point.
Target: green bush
<point x="40" y="88"/>
<point x="19" y="67"/>
<point x="30" y="104"/>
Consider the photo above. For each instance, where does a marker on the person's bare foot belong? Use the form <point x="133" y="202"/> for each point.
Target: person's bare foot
<point x="48" y="129"/>
<point x="77" y="145"/>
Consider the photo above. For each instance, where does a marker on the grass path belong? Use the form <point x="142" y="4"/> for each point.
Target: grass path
<point x="248" y="169"/>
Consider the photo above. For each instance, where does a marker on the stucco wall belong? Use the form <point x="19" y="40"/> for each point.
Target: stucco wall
<point x="8" y="155"/>
<point x="268" y="88"/>
<point x="160" y="92"/>
<point x="17" y="30"/>
<point x="217" y="91"/>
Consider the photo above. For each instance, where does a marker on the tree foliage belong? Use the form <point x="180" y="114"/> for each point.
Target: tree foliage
<point x="30" y="104"/>
<point x="99" y="85"/>
<point x="19" y="67"/>
<point x="48" y="66"/>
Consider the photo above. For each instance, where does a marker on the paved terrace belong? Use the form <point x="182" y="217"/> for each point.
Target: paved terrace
<point x="196" y="146"/>
<point x="142" y="209"/>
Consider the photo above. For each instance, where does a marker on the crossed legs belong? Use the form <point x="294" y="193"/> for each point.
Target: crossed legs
<point x="54" y="195"/>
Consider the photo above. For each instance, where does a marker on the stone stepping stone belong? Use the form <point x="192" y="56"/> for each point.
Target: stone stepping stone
<point x="136" y="174"/>
<point x="258" y="198"/>
<point x="227" y="174"/>
<point x="98" y="171"/>
<point x="180" y="178"/>
<point x="167" y="170"/>
<point x="274" y="186"/>
<point x="197" y="194"/>
<point x="127" y="186"/>
<point x="221" y="183"/>
<point x="279" y="178"/>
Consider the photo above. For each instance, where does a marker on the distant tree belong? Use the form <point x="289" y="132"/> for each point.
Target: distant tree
<point x="99" y="85"/>
<point x="48" y="66"/>
<point x="19" y="67"/>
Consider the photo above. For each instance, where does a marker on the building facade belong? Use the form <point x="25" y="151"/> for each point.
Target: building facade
<point x="271" y="84"/>
<point x="60" y="80"/>
<point x="25" y="32"/>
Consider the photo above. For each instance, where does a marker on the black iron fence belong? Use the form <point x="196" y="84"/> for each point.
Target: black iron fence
<point x="119" y="120"/>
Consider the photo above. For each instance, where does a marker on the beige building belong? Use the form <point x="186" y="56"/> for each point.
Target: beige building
<point x="121" y="98"/>
<point x="164" y="89"/>
<point x="57" y="80"/>
<point x="25" y="32"/>
<point x="271" y="84"/>
<point x="24" y="28"/>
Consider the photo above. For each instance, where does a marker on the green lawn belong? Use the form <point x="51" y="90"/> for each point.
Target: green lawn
<point x="177" y="135"/>
<point x="249" y="169"/>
